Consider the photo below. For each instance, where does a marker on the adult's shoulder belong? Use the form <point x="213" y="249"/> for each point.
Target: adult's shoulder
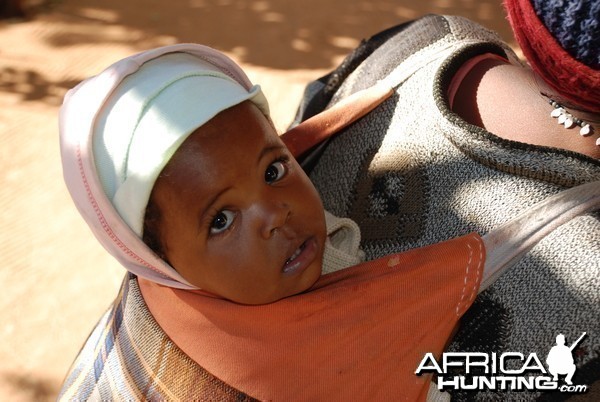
<point x="431" y="28"/>
<point x="382" y="52"/>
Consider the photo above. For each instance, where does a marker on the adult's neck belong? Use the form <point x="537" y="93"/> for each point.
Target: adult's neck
<point x="507" y="101"/>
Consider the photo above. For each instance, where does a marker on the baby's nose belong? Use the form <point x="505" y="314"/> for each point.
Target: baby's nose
<point x="275" y="215"/>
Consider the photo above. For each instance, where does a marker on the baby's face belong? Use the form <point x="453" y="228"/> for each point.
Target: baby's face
<point x="239" y="217"/>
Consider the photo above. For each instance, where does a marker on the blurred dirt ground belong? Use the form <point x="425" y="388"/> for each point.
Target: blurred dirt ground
<point x="55" y="280"/>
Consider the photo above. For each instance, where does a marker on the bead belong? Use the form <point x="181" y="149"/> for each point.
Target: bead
<point x="585" y="130"/>
<point x="557" y="112"/>
<point x="562" y="118"/>
<point x="569" y="122"/>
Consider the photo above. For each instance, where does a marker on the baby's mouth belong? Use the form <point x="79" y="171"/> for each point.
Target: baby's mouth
<point x="301" y="257"/>
<point x="295" y="255"/>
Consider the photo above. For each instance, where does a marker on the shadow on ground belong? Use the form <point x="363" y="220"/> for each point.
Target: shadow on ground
<point x="31" y="85"/>
<point x="31" y="388"/>
<point x="279" y="34"/>
<point x="275" y="34"/>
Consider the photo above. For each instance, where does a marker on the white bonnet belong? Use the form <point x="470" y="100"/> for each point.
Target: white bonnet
<point x="119" y="129"/>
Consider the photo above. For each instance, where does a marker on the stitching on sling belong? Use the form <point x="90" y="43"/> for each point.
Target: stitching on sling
<point x="464" y="299"/>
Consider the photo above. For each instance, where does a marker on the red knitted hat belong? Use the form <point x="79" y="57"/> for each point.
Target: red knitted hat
<point x="574" y="80"/>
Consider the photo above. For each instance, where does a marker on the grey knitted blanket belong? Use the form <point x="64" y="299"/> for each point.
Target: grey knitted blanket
<point x="413" y="173"/>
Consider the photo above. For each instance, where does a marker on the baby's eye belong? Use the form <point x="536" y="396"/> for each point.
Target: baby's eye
<point x="275" y="171"/>
<point x="222" y="221"/>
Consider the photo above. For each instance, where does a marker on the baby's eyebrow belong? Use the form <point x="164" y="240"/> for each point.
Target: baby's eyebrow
<point x="269" y="149"/>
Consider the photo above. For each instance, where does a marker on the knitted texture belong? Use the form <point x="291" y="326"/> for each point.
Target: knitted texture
<point x="561" y="41"/>
<point x="413" y="173"/>
<point x="342" y="249"/>
<point x="575" y="25"/>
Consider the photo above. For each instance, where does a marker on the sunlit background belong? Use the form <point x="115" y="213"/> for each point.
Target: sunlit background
<point x="55" y="279"/>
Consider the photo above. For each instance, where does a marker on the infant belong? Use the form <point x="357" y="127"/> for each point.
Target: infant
<point x="186" y="153"/>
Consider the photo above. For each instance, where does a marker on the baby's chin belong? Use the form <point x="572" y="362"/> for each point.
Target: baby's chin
<point x="310" y="277"/>
<point x="302" y="285"/>
<point x="312" y="274"/>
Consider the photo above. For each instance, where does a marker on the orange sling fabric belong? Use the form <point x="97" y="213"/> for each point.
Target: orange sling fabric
<point x="330" y="121"/>
<point x="357" y="334"/>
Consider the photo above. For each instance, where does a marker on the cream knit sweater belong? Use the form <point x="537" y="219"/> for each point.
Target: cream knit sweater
<point x="342" y="248"/>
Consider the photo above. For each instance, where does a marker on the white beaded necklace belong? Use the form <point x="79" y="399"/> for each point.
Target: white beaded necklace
<point x="568" y="120"/>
